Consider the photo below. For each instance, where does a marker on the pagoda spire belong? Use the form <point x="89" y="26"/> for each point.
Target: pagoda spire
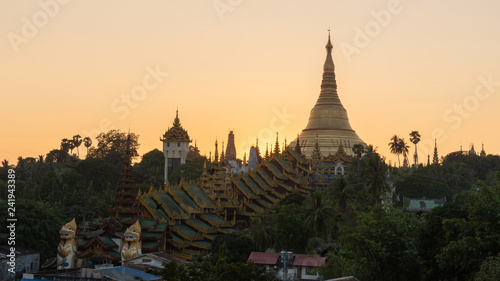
<point x="297" y="146"/>
<point x="483" y="153"/>
<point x="277" y="145"/>
<point x="316" y="154"/>
<point x="177" y="122"/>
<point x="231" y="148"/>
<point x="435" y="158"/>
<point x="222" y="157"/>
<point x="328" y="94"/>
<point x="216" y="157"/>
<point x="259" y="157"/>
<point x="328" y="119"/>
<point x="329" y="65"/>
<point x="125" y="203"/>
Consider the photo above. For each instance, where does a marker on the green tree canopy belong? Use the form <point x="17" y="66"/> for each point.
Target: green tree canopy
<point x="150" y="170"/>
<point x="114" y="141"/>
<point x="380" y="247"/>
<point x="37" y="227"/>
<point x="238" y="247"/>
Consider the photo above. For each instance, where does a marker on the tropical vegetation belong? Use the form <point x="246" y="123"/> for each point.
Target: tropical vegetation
<point x="359" y="222"/>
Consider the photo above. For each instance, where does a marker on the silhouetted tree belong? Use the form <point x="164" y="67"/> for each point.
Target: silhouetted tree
<point x="77" y="141"/>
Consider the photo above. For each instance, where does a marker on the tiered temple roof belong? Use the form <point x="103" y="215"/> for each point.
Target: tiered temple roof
<point x="177" y="133"/>
<point x="100" y="238"/>
<point x="125" y="206"/>
<point x="199" y="212"/>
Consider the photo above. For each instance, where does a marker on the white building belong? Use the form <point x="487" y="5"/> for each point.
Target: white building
<point x="175" y="146"/>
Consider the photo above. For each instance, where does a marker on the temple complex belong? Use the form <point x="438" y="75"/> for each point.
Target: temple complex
<point x="200" y="211"/>
<point x="100" y="240"/>
<point x="328" y="127"/>
<point x="185" y="218"/>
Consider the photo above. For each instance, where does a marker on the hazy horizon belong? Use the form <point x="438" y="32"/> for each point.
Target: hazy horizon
<point x="84" y="67"/>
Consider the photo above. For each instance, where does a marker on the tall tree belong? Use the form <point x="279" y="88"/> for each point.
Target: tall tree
<point x="261" y="230"/>
<point x="114" y="142"/>
<point x="290" y="230"/>
<point x="395" y="147"/>
<point x="358" y="150"/>
<point x="77" y="141"/>
<point x="404" y="150"/>
<point x="65" y="145"/>
<point x="87" y="142"/>
<point x="5" y="164"/>
<point x="238" y="247"/>
<point x="150" y="170"/>
<point x="71" y="146"/>
<point x="415" y="138"/>
<point x="340" y="193"/>
<point x="376" y="171"/>
<point x="318" y="210"/>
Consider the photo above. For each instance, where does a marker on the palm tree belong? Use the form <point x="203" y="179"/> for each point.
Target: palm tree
<point x="358" y="150"/>
<point x="319" y="211"/>
<point x="65" y="145"/>
<point x="87" y="142"/>
<point x="371" y="149"/>
<point x="71" y="146"/>
<point x="395" y="146"/>
<point x="5" y="163"/>
<point x="415" y="138"/>
<point x="404" y="150"/>
<point x="376" y="177"/>
<point x="340" y="193"/>
<point x="77" y="141"/>
<point x="261" y="229"/>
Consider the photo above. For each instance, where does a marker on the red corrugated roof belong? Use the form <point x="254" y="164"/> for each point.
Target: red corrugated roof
<point x="264" y="258"/>
<point x="299" y="260"/>
<point x="308" y="260"/>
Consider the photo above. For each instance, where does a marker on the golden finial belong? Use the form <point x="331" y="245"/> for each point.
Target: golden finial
<point x="329" y="66"/>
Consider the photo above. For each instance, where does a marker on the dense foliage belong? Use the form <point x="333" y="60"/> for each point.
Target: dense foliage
<point x="220" y="268"/>
<point x="359" y="222"/>
<point x="37" y="227"/>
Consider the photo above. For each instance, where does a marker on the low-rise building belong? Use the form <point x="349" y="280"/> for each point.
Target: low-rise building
<point x="299" y="266"/>
<point x="26" y="261"/>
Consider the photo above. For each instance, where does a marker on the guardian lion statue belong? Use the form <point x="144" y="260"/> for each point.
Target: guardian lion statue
<point x="66" y="250"/>
<point x="131" y="244"/>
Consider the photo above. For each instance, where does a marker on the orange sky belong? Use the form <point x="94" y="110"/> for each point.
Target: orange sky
<point x="84" y="66"/>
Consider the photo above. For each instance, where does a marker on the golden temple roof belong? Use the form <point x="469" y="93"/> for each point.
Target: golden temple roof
<point x="176" y="133"/>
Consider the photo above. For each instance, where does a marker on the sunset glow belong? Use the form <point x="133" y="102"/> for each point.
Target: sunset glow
<point x="87" y="66"/>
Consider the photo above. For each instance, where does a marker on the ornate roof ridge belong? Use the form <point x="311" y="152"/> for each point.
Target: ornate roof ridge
<point x="176" y="133"/>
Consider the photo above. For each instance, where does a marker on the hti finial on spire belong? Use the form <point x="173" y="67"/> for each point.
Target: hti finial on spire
<point x="329" y="45"/>
<point x="329" y="66"/>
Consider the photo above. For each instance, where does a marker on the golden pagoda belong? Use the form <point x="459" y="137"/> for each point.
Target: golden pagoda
<point x="328" y="123"/>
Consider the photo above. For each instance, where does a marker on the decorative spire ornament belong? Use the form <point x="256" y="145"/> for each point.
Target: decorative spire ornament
<point x="328" y="118"/>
